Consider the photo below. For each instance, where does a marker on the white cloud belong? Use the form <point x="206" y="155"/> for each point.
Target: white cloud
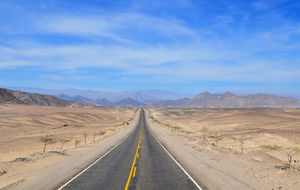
<point x="195" y="57"/>
<point x="120" y="27"/>
<point x="186" y="62"/>
<point x="88" y="26"/>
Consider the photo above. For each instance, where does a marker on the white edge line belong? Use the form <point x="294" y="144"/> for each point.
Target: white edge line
<point x="198" y="186"/>
<point x="92" y="164"/>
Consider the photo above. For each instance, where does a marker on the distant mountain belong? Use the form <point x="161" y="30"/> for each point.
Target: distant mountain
<point x="81" y="99"/>
<point x="19" y="97"/>
<point x="228" y="100"/>
<point x="183" y="102"/>
<point x="126" y="102"/>
<point x="139" y="95"/>
<point x="104" y="102"/>
<point x="77" y="98"/>
<point x="154" y="94"/>
<point x="129" y="102"/>
<point x="154" y="98"/>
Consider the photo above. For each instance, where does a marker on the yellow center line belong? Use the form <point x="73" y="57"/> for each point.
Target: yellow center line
<point x="133" y="164"/>
<point x="134" y="172"/>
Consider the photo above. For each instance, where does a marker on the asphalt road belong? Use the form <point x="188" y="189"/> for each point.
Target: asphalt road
<point x="139" y="162"/>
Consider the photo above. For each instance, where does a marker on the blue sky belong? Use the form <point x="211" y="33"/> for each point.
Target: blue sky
<point x="184" y="45"/>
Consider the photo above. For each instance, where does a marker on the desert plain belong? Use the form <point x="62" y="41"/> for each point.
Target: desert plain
<point x="234" y="148"/>
<point x="23" y="126"/>
<point x="221" y="148"/>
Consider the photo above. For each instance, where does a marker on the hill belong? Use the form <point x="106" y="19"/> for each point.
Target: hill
<point x="19" y="97"/>
<point x="7" y="97"/>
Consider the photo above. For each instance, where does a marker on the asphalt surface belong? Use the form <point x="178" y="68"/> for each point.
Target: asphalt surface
<point x="153" y="168"/>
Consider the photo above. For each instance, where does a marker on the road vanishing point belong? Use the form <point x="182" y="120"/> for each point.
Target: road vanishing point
<point x="138" y="162"/>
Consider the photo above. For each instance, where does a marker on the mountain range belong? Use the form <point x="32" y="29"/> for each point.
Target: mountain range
<point x="202" y="100"/>
<point x="19" y="97"/>
<point x="139" y="95"/>
<point x="126" y="102"/>
<point x="228" y="100"/>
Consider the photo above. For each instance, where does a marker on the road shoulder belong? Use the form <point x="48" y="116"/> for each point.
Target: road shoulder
<point x="207" y="172"/>
<point x="58" y="173"/>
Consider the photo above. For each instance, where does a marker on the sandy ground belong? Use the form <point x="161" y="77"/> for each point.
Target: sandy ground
<point x="24" y="166"/>
<point x="225" y="166"/>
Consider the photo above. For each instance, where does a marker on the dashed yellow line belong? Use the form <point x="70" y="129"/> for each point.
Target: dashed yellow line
<point x="134" y="172"/>
<point x="133" y="168"/>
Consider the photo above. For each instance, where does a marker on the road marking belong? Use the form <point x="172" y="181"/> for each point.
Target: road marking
<point x="93" y="163"/>
<point x="133" y="164"/>
<point x="134" y="172"/>
<point x="179" y="164"/>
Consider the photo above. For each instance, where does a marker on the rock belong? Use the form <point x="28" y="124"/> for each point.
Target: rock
<point x="2" y="172"/>
<point x="21" y="159"/>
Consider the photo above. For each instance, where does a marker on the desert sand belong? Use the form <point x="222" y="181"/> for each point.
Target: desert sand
<point x="22" y="127"/>
<point x="223" y="164"/>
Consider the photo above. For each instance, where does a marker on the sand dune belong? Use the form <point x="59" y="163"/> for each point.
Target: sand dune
<point x="22" y="126"/>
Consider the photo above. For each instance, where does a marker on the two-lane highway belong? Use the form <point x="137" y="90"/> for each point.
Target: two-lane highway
<point x="139" y="162"/>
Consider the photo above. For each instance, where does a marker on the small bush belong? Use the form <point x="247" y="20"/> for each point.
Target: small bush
<point x="270" y="147"/>
<point x="85" y="135"/>
<point x="217" y="137"/>
<point x="101" y="133"/>
<point x="47" y="140"/>
<point x="204" y="132"/>
<point x="77" y="142"/>
<point x="63" y="142"/>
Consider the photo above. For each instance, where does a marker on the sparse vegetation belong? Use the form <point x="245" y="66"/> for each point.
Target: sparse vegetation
<point x="85" y="135"/>
<point x="204" y="132"/>
<point x="174" y="128"/>
<point x="217" y="137"/>
<point x="77" y="142"/>
<point x="241" y="140"/>
<point x="270" y="147"/>
<point x="245" y="130"/>
<point x="94" y="136"/>
<point x="291" y="152"/>
<point x="47" y="140"/>
<point x="63" y="142"/>
<point x="113" y="130"/>
<point x="101" y="133"/>
<point x="185" y="132"/>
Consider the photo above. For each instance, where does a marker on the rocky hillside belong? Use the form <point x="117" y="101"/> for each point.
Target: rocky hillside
<point x="7" y="97"/>
<point x="228" y="100"/>
<point x="19" y="97"/>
